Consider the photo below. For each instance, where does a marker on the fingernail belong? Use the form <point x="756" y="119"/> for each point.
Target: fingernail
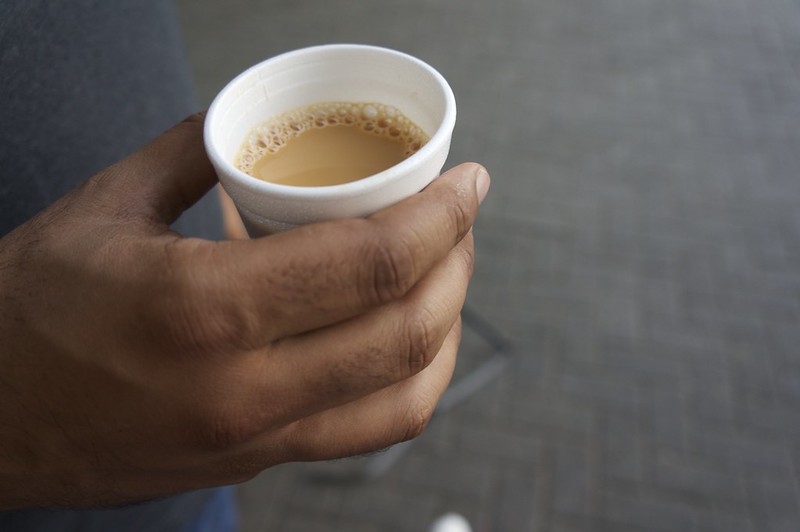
<point x="482" y="184"/>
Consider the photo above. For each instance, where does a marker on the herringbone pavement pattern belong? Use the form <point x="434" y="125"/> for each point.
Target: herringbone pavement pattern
<point x="640" y="247"/>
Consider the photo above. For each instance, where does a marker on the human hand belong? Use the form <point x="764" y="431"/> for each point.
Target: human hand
<point x="137" y="363"/>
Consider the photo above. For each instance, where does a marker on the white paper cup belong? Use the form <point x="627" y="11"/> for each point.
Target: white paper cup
<point x="337" y="72"/>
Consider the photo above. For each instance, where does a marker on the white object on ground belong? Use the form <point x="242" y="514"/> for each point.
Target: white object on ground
<point x="451" y="522"/>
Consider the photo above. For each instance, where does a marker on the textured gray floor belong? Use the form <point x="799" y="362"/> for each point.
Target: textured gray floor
<point x="641" y="247"/>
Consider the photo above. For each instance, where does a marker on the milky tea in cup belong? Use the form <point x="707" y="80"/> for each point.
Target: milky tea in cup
<point x="329" y="143"/>
<point x="351" y="128"/>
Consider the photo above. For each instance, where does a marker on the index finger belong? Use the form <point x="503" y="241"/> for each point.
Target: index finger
<point x="324" y="273"/>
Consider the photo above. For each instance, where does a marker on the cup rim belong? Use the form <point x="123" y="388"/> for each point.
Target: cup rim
<point x="441" y="136"/>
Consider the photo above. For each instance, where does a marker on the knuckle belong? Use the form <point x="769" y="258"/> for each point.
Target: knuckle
<point x="224" y="434"/>
<point x="198" y="117"/>
<point x="394" y="269"/>
<point x="189" y="123"/>
<point x="196" y="330"/>
<point x="224" y="428"/>
<point x="467" y="251"/>
<point x="416" y="418"/>
<point x="420" y="341"/>
<point x="197" y="318"/>
<point x="461" y="215"/>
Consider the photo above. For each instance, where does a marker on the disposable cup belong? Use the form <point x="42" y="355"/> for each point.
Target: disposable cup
<point x="336" y="72"/>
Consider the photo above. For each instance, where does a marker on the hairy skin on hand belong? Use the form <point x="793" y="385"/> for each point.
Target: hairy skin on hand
<point x="137" y="363"/>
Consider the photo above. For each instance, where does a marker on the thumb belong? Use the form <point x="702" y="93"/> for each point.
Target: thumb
<point x="165" y="177"/>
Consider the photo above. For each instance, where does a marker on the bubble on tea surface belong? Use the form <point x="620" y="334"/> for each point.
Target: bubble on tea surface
<point x="370" y="111"/>
<point x="375" y="118"/>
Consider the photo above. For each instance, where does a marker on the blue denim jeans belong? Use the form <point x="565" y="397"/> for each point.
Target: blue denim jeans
<point x="219" y="515"/>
